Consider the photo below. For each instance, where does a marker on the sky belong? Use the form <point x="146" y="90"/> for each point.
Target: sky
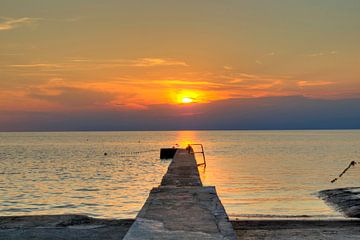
<point x="143" y="65"/>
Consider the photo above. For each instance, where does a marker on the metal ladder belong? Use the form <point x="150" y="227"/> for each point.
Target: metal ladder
<point x="191" y="149"/>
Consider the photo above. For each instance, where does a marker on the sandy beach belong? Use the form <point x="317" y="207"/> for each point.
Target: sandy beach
<point x="82" y="227"/>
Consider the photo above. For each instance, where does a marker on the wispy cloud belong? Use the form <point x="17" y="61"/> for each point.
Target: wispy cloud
<point x="316" y="54"/>
<point x="228" y="68"/>
<point x="313" y="84"/>
<point x="321" y="54"/>
<point x="86" y="64"/>
<point x="188" y="83"/>
<point x="36" y="65"/>
<point x="69" y="96"/>
<point x="11" y="23"/>
<point x="266" y="85"/>
<point x="150" y="62"/>
<point x="7" y="23"/>
<point x="264" y="58"/>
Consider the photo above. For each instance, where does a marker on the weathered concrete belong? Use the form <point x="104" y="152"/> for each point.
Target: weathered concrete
<point x="181" y="208"/>
<point x="182" y="171"/>
<point x="77" y="227"/>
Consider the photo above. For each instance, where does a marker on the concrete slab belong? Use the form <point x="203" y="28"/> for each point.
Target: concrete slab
<point x="181" y="208"/>
<point x="182" y="171"/>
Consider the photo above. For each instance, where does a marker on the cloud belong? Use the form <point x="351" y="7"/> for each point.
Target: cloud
<point x="266" y="85"/>
<point x="316" y="54"/>
<point x="151" y="62"/>
<point x="36" y="65"/>
<point x="228" y="68"/>
<point x="251" y="81"/>
<point x="7" y="23"/>
<point x="88" y="64"/>
<point x="264" y="58"/>
<point x="313" y="84"/>
<point x="321" y="54"/>
<point x="73" y="97"/>
<point x="256" y="84"/>
<point x="11" y="23"/>
<point x="188" y="83"/>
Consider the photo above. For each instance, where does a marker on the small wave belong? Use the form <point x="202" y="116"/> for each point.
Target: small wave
<point x="18" y="209"/>
<point x="9" y="173"/>
<point x="82" y="197"/>
<point x="87" y="189"/>
<point x="65" y="206"/>
<point x="90" y="204"/>
<point x="38" y="204"/>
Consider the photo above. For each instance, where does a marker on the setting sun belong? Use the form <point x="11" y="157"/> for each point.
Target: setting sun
<point x="187" y="96"/>
<point x="186" y="100"/>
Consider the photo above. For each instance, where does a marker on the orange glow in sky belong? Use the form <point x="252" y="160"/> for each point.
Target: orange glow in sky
<point x="132" y="56"/>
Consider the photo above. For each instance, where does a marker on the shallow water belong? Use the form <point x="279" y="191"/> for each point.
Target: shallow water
<point x="256" y="173"/>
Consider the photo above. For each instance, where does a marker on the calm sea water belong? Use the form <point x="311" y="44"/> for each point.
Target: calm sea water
<point x="256" y="173"/>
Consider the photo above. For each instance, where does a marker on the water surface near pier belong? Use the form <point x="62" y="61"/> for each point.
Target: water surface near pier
<point x="256" y="173"/>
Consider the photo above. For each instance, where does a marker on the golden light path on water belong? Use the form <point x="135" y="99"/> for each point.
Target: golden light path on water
<point x="255" y="172"/>
<point x="267" y="173"/>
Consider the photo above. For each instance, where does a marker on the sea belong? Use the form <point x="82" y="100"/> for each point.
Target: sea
<point x="257" y="174"/>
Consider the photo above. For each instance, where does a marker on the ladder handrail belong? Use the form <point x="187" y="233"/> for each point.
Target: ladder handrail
<point x="202" y="151"/>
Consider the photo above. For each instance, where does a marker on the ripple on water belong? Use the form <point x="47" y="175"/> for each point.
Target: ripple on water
<point x="87" y="189"/>
<point x="19" y="209"/>
<point x="64" y="206"/>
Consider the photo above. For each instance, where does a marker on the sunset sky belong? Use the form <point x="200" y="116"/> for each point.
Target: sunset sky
<point x="83" y="57"/>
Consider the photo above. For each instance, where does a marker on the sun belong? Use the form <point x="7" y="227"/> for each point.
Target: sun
<point x="187" y="100"/>
<point x="186" y="97"/>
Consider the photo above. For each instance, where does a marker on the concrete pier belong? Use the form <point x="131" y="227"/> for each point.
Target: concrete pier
<point x="181" y="207"/>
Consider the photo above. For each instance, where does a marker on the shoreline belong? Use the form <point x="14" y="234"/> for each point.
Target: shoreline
<point x="74" y="226"/>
